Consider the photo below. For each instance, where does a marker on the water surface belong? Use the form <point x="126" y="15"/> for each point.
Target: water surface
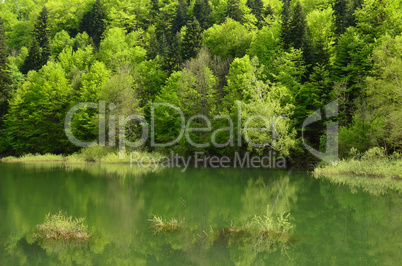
<point x="333" y="224"/>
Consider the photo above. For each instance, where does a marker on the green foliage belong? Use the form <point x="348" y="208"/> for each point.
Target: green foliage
<point x="94" y="154"/>
<point x="40" y="50"/>
<point x="93" y="22"/>
<point x="119" y="50"/>
<point x="234" y="11"/>
<point x="264" y="105"/>
<point x="229" y="40"/>
<point x="373" y="163"/>
<point x="5" y="79"/>
<point x="35" y="121"/>
<point x="181" y="17"/>
<point x="202" y="11"/>
<point x="191" y="40"/>
<point x="134" y="53"/>
<point x="60" y="41"/>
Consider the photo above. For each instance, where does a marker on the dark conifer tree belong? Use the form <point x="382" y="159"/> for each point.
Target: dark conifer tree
<point x="202" y="12"/>
<point x="257" y="8"/>
<point x="172" y="60"/>
<point x="153" y="47"/>
<point x="5" y="79"/>
<point x="181" y="17"/>
<point x="233" y="10"/>
<point x="286" y="17"/>
<point x="39" y="51"/>
<point x="299" y="36"/>
<point x="340" y="9"/>
<point x="192" y="40"/>
<point x="93" y="22"/>
<point x="33" y="60"/>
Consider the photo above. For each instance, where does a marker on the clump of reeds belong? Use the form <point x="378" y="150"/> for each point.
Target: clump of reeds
<point x="158" y="225"/>
<point x="60" y="227"/>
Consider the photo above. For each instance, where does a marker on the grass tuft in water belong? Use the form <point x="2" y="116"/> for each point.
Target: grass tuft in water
<point x="61" y="227"/>
<point x="158" y="225"/>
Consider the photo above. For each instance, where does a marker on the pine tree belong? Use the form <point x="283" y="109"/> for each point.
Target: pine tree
<point x="33" y="60"/>
<point x="339" y="14"/>
<point x="39" y="50"/>
<point x="172" y="60"/>
<point x="257" y="8"/>
<point x="181" y="17"/>
<point x="93" y="22"/>
<point x="192" y="40"/>
<point x="202" y="12"/>
<point x="233" y="10"/>
<point x="298" y="34"/>
<point x="5" y="79"/>
<point x="298" y="27"/>
<point x="286" y="16"/>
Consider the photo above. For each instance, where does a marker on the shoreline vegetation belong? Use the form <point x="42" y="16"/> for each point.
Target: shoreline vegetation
<point x="373" y="163"/>
<point x="372" y="171"/>
<point x="87" y="155"/>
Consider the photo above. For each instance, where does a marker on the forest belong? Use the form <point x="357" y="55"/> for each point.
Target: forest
<point x="280" y="59"/>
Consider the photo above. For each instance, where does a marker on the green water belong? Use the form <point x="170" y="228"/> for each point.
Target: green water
<point x="333" y="224"/>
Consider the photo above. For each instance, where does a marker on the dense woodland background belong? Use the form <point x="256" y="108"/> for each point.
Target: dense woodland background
<point x="279" y="59"/>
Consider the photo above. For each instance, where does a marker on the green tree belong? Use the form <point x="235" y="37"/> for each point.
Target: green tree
<point x="234" y="11"/>
<point x="35" y="122"/>
<point x="257" y="8"/>
<point x="299" y="33"/>
<point x="93" y="22"/>
<point x="39" y="50"/>
<point x="351" y="67"/>
<point x="286" y="18"/>
<point x="339" y="16"/>
<point x="228" y="40"/>
<point x="41" y="33"/>
<point x="5" y="78"/>
<point x="181" y="17"/>
<point x="264" y="105"/>
<point x="384" y="98"/>
<point x="202" y="11"/>
<point x="33" y="60"/>
<point x="191" y="40"/>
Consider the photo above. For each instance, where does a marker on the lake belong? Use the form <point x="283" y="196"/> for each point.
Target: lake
<point x="333" y="224"/>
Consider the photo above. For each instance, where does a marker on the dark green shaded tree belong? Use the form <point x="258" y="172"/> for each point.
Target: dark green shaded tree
<point x="33" y="60"/>
<point x="339" y="16"/>
<point x="202" y="12"/>
<point x="257" y="8"/>
<point x="39" y="50"/>
<point x="352" y="65"/>
<point x="286" y="18"/>
<point x="192" y="40"/>
<point x="172" y="60"/>
<point x="5" y="79"/>
<point x="181" y="17"/>
<point x="93" y="22"/>
<point x="233" y="10"/>
<point x="41" y="33"/>
<point x="298" y="34"/>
